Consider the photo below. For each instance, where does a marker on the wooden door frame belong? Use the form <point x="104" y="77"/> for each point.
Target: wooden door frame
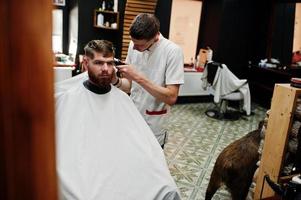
<point x="27" y="142"/>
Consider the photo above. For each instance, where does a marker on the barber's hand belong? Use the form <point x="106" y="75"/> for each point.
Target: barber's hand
<point x="129" y="72"/>
<point x="114" y="77"/>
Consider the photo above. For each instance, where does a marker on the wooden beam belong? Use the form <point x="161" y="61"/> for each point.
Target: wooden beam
<point x="27" y="140"/>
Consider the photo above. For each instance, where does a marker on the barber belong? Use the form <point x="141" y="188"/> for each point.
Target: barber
<point x="153" y="73"/>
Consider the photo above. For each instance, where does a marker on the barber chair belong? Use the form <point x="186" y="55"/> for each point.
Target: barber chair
<point x="221" y="110"/>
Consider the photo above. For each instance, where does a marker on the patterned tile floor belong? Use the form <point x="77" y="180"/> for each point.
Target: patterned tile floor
<point x="196" y="140"/>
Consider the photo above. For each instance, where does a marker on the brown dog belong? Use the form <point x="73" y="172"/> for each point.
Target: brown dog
<point x="235" y="166"/>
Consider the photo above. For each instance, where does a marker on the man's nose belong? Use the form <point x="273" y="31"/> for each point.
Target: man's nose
<point x="105" y="67"/>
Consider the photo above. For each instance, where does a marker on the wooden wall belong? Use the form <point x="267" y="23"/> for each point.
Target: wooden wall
<point x="27" y="147"/>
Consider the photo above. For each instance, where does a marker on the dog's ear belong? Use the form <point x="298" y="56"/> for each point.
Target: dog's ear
<point x="260" y="125"/>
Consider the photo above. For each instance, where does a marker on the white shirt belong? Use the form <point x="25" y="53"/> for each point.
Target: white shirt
<point x="163" y="64"/>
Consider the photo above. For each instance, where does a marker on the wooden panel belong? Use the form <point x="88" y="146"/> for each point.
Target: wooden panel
<point x="279" y="124"/>
<point x="140" y="6"/>
<point x="137" y="11"/>
<point x="127" y="21"/>
<point x="144" y="2"/>
<point x="126" y="41"/>
<point x="27" y="105"/>
<point x="132" y="9"/>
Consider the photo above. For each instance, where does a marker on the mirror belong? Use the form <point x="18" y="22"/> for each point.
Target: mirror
<point x="296" y="57"/>
<point x="297" y="29"/>
<point x="65" y="28"/>
<point x="57" y="30"/>
<point x="73" y="31"/>
<point x="184" y="26"/>
<point x="285" y="31"/>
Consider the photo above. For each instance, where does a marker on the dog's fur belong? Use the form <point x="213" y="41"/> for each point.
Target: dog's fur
<point x="235" y="166"/>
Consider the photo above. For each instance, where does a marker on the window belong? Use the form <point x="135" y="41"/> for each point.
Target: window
<point x="57" y="30"/>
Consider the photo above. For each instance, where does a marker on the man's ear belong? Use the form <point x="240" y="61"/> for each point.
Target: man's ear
<point x="85" y="63"/>
<point x="157" y="37"/>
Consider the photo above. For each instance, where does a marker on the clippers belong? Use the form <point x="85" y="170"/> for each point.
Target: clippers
<point x="118" y="62"/>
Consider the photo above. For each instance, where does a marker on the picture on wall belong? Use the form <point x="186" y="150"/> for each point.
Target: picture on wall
<point x="59" y="2"/>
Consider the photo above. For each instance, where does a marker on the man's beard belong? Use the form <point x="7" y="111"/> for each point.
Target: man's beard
<point x="100" y="81"/>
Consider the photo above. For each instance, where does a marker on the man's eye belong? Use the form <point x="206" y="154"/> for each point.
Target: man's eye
<point x="98" y="63"/>
<point x="111" y="63"/>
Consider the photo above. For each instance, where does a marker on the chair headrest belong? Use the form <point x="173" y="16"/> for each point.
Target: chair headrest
<point x="211" y="70"/>
<point x="215" y="64"/>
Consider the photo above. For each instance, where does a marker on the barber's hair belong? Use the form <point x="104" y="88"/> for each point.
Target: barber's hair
<point x="144" y="27"/>
<point x="100" y="46"/>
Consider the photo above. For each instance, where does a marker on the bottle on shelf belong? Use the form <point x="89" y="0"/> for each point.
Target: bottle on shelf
<point x="114" y="25"/>
<point x="100" y="19"/>
<point x="103" y="5"/>
<point x="115" y="5"/>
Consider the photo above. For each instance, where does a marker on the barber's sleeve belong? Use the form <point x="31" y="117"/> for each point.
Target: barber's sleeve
<point x="175" y="67"/>
<point x="128" y="59"/>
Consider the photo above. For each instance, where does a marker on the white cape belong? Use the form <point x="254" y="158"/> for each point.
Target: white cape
<point x="225" y="82"/>
<point x="105" y="149"/>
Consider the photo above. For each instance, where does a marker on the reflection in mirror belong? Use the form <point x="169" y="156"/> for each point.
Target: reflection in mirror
<point x="57" y="30"/>
<point x="296" y="59"/>
<point x="73" y="31"/>
<point x="184" y="26"/>
<point x="281" y="33"/>
<point x="65" y="39"/>
<point x="297" y="29"/>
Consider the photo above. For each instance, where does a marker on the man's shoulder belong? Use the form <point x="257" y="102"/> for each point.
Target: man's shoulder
<point x="70" y="83"/>
<point x="69" y="92"/>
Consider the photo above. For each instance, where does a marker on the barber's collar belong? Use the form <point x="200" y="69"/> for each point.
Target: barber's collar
<point x="154" y="46"/>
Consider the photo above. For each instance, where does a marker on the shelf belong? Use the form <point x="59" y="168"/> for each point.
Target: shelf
<point x="276" y="138"/>
<point x="263" y="80"/>
<point x="285" y="179"/>
<point x="107" y="21"/>
<point x="105" y="27"/>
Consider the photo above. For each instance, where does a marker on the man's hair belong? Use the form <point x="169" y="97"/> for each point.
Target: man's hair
<point x="144" y="27"/>
<point x="100" y="46"/>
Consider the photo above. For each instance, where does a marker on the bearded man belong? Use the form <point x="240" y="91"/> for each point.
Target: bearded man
<point x="105" y="149"/>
